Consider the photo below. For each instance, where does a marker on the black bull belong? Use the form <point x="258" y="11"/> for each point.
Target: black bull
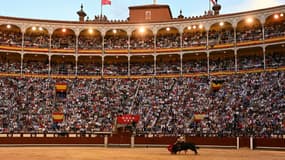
<point x="184" y="146"/>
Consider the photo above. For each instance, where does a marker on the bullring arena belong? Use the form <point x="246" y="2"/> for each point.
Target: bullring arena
<point x="127" y="89"/>
<point x="83" y="153"/>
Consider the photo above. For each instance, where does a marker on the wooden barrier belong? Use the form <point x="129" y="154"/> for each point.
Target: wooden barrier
<point x="129" y="140"/>
<point x="269" y="142"/>
<point x="51" y="140"/>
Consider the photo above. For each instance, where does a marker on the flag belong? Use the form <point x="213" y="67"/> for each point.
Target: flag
<point x="213" y="2"/>
<point x="216" y="85"/>
<point x="199" y="116"/>
<point x="57" y="117"/>
<point x="61" y="87"/>
<point x="127" y="119"/>
<point x="106" y="2"/>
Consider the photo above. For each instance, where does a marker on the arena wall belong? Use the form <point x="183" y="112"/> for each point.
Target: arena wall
<point x="125" y="140"/>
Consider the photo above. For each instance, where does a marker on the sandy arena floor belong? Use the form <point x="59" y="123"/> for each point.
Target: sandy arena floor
<point x="95" y="153"/>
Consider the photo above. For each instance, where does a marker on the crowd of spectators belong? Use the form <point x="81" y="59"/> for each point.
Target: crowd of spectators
<point x="194" y="39"/>
<point x="190" y="38"/>
<point x="87" y="43"/>
<point x="246" y="104"/>
<point x="35" y="67"/>
<point x="274" y="30"/>
<point x="249" y="33"/>
<point x="221" y="37"/>
<point x="275" y="59"/>
<point x="36" y="41"/>
<point x="10" y="38"/>
<point x="26" y="104"/>
<point x="222" y="64"/>
<point x="63" y="42"/>
<point x="250" y="61"/>
<point x="142" y="69"/>
<point x="63" y="68"/>
<point x="168" y="41"/>
<point x="10" y="65"/>
<point x="116" y="42"/>
<point x="121" y="42"/>
<point x="89" y="69"/>
<point x="172" y="67"/>
<point x="199" y="65"/>
<point x="116" y="69"/>
<point x="195" y="66"/>
<point x="142" y="42"/>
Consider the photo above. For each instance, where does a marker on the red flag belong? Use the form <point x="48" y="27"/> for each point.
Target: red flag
<point x="106" y="2"/>
<point x="213" y="2"/>
<point x="128" y="118"/>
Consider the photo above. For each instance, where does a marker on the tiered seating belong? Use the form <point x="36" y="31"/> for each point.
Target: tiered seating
<point x="246" y="104"/>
